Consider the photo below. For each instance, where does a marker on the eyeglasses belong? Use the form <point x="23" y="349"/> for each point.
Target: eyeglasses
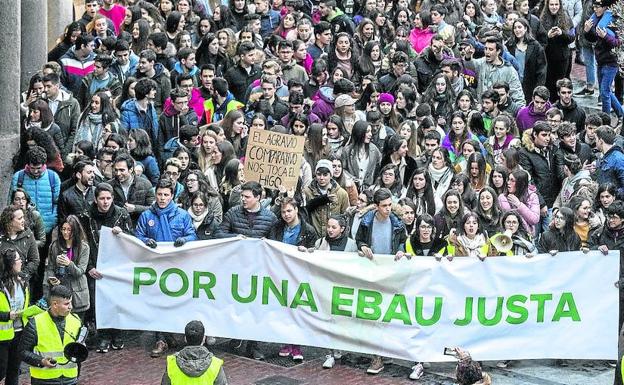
<point x="172" y="173"/>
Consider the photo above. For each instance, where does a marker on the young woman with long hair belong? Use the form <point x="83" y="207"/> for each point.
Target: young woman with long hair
<point x="14" y="313"/>
<point x="406" y="102"/>
<point x="20" y="198"/>
<point x="140" y="147"/>
<point x="370" y="59"/>
<point x="72" y="31"/>
<point x="14" y="234"/>
<point x="606" y="194"/>
<point x="208" y="142"/>
<point x="521" y="197"/>
<point x="140" y="34"/>
<point x="222" y="17"/>
<point x="440" y="171"/>
<point x="505" y="135"/>
<point x="40" y="116"/>
<point x="361" y="157"/>
<point x="585" y="222"/>
<point x="560" y="31"/>
<point x="530" y="54"/>
<point x="421" y="35"/>
<point x="343" y="55"/>
<point x="461" y="183"/>
<point x="456" y="136"/>
<point x="388" y="178"/>
<point x="468" y="239"/>
<point x="450" y="214"/>
<point x="408" y="130"/>
<point x="409" y="214"/>
<point x="344" y="179"/>
<point x="99" y="118"/>
<point x="498" y="179"/>
<point x="68" y="257"/>
<point x="424" y="240"/>
<point x="420" y="191"/>
<point x="236" y="131"/>
<point x="337" y="135"/>
<point x="365" y="33"/>
<point x="197" y="182"/>
<point x="395" y="153"/>
<point x="316" y="146"/>
<point x="512" y="224"/>
<point x="561" y="235"/>
<point x="441" y="97"/>
<point x="488" y="210"/>
<point x="477" y="170"/>
<point x="223" y="152"/>
<point x="233" y="179"/>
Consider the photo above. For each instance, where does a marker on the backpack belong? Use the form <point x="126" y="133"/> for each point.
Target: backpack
<point x="586" y="188"/>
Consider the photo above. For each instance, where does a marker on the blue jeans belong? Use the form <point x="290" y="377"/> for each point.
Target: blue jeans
<point x="606" y="76"/>
<point x="590" y="65"/>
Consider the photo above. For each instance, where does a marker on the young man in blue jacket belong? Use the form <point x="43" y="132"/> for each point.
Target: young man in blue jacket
<point x="164" y="222"/>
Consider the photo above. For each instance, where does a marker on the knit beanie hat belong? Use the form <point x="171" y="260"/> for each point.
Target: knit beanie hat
<point x="385" y="98"/>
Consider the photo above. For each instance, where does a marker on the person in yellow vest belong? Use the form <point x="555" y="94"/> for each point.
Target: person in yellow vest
<point x="14" y="313"/>
<point x="45" y="338"/>
<point x="194" y="364"/>
<point x="221" y="102"/>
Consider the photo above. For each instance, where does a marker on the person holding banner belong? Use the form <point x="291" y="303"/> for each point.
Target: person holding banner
<point x="561" y="235"/>
<point x="292" y="229"/>
<point x="381" y="232"/>
<point x="164" y="221"/>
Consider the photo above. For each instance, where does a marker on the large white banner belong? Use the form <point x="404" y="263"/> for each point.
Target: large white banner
<point x="502" y="308"/>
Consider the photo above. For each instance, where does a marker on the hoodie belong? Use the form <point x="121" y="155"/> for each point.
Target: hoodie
<point x="194" y="361"/>
<point x="527" y="116"/>
<point x="323" y="107"/>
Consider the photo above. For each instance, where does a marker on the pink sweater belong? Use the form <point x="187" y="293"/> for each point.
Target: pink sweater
<point x="528" y="210"/>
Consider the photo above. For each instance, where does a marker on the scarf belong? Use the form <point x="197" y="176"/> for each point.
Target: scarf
<point x="437" y="175"/>
<point x="197" y="219"/>
<point x="95" y="118"/>
<point x="339" y="243"/>
<point x="164" y="229"/>
<point x="472" y="246"/>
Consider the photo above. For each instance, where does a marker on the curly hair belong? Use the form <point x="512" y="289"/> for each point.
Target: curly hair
<point x="6" y="217"/>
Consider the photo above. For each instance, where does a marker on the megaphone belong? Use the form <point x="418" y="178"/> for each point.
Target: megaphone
<point x="502" y="241"/>
<point x="76" y="352"/>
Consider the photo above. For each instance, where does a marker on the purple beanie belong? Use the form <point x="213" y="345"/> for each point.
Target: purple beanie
<point x="385" y="98"/>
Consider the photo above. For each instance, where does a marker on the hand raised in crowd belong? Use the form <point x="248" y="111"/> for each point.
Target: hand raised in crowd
<point x="130" y="207"/>
<point x="513" y="200"/>
<point x="601" y="32"/>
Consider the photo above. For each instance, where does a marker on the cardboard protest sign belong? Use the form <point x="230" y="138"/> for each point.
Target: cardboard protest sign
<point x="273" y="159"/>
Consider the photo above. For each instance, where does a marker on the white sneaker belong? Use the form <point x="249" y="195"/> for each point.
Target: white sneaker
<point x="502" y="364"/>
<point x="329" y="362"/>
<point x="417" y="371"/>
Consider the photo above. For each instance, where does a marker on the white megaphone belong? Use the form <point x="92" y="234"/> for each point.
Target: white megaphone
<point x="502" y="241"/>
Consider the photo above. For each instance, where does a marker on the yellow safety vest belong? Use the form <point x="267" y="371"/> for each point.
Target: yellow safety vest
<point x="209" y="108"/>
<point x="7" y="331"/>
<point x="49" y="344"/>
<point x="177" y="376"/>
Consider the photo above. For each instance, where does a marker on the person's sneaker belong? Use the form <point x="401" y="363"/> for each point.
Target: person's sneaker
<point x="376" y="366"/>
<point x="103" y="346"/>
<point x="210" y="340"/>
<point x="584" y="92"/>
<point x="329" y="362"/>
<point x="118" y="344"/>
<point x="160" y="349"/>
<point x="426" y="365"/>
<point x="296" y="353"/>
<point x="285" y="351"/>
<point x="417" y="372"/>
<point x="503" y="364"/>
<point x="337" y="354"/>
<point x="612" y="364"/>
<point x="257" y="355"/>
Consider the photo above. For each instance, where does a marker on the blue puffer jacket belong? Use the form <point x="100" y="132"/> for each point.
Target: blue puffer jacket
<point x="611" y="169"/>
<point x="180" y="225"/>
<point x="41" y="194"/>
<point x="132" y="118"/>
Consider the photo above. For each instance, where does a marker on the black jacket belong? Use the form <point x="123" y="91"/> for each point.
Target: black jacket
<point x="26" y="246"/>
<point x="573" y="114"/>
<point x="307" y="235"/>
<point x="140" y="194"/>
<point x="208" y="229"/>
<point x="238" y="80"/>
<point x="552" y="240"/>
<point x="582" y="150"/>
<point x="238" y="220"/>
<point x="534" y="67"/>
<point x="73" y="202"/>
<point x="92" y="221"/>
<point x="542" y="168"/>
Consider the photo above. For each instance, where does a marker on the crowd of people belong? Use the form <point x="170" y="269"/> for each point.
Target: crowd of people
<point x="437" y="128"/>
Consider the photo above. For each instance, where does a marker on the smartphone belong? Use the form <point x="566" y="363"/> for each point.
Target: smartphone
<point x="449" y="352"/>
